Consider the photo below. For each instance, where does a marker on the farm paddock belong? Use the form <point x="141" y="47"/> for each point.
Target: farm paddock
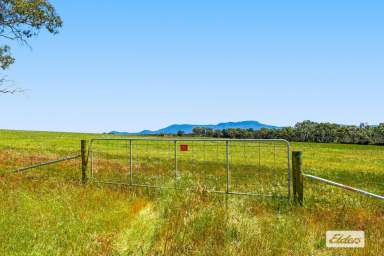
<point x="48" y="211"/>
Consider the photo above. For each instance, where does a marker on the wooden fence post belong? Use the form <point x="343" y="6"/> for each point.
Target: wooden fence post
<point x="83" y="161"/>
<point x="298" y="189"/>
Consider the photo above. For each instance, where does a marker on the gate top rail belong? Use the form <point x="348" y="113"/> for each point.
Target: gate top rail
<point x="192" y="139"/>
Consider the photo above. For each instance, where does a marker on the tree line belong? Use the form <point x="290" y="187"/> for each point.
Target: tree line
<point x="306" y="131"/>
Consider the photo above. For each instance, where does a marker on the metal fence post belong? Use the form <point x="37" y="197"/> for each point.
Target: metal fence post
<point x="228" y="167"/>
<point x="297" y="176"/>
<point x="83" y="161"/>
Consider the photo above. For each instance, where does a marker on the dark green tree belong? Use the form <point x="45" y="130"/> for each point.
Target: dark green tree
<point x="199" y="131"/>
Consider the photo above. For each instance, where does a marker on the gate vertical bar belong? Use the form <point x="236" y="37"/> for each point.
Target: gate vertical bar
<point x="175" y="154"/>
<point x="228" y="166"/>
<point x="259" y="156"/>
<point x="274" y="156"/>
<point x="91" y="157"/>
<point x="289" y="169"/>
<point x="130" y="163"/>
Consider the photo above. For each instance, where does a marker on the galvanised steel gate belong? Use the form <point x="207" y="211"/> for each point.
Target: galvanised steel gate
<point x="233" y="166"/>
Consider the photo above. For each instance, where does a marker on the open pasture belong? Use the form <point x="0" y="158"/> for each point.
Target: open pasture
<point x="48" y="211"/>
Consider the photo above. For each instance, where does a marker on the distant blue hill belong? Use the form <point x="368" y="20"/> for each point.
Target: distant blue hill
<point x="187" y="128"/>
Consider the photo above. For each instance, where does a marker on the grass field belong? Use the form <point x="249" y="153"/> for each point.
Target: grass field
<point x="48" y="212"/>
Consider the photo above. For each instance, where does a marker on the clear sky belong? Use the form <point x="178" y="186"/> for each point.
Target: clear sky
<point x="133" y="65"/>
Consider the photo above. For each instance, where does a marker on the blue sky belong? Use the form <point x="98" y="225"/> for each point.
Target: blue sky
<point x="133" y="65"/>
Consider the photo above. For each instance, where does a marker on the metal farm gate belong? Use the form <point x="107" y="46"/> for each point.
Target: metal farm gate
<point x="236" y="166"/>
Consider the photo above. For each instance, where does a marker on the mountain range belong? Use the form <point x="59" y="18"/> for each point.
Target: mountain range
<point x="187" y="128"/>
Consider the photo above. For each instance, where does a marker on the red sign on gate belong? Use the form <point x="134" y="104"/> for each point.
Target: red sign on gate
<point x="183" y="148"/>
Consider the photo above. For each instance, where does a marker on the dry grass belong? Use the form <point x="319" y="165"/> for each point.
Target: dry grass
<point x="48" y="211"/>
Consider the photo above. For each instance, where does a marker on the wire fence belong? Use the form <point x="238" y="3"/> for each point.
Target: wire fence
<point x="359" y="166"/>
<point x="253" y="167"/>
<point x="228" y="166"/>
<point x="62" y="171"/>
<point x="39" y="155"/>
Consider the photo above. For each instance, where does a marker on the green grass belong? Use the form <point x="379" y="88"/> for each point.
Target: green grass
<point x="48" y="212"/>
